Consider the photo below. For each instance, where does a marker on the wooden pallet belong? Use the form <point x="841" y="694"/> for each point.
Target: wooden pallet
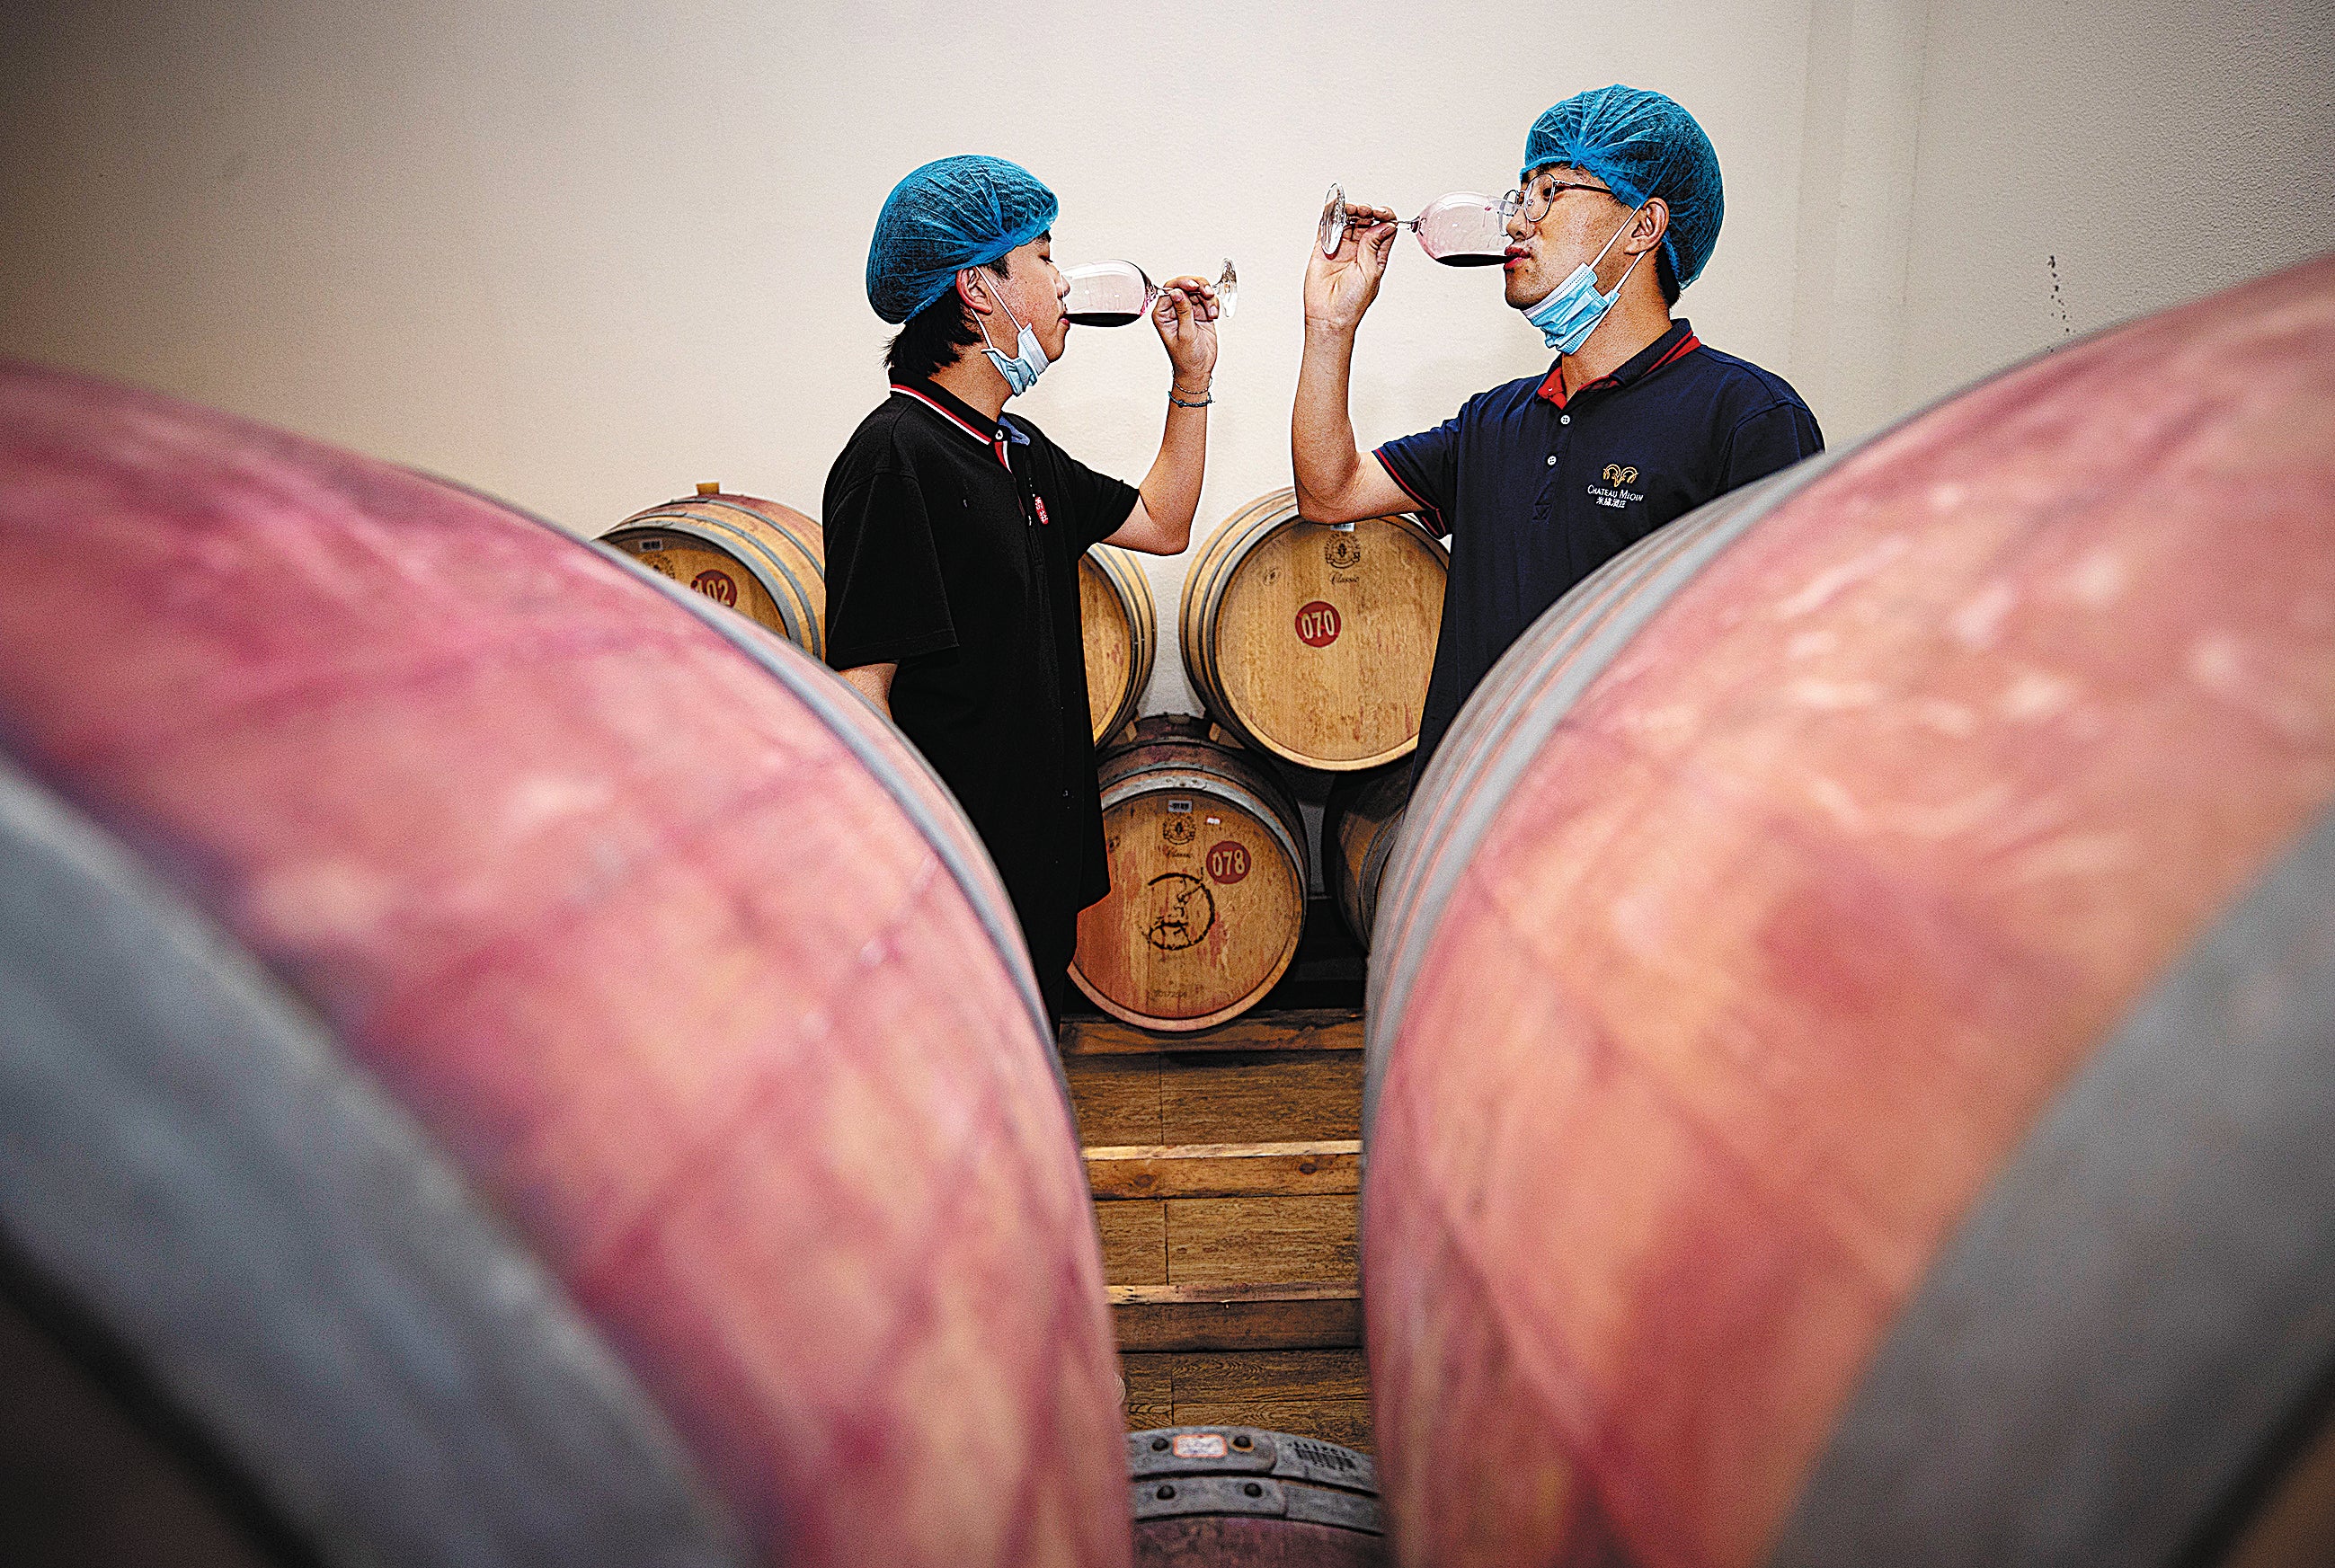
<point x="1225" y="1169"/>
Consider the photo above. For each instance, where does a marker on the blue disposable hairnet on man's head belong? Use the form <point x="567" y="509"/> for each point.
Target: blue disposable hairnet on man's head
<point x="1642" y="145"/>
<point x="951" y="214"/>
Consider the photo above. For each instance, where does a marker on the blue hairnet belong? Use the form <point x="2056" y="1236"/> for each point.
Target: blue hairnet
<point x="1642" y="145"/>
<point x="951" y="214"/>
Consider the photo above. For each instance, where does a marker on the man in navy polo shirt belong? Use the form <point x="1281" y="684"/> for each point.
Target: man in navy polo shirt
<point x="1541" y="482"/>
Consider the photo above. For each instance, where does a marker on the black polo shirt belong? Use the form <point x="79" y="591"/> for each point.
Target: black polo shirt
<point x="1537" y="491"/>
<point x="953" y="546"/>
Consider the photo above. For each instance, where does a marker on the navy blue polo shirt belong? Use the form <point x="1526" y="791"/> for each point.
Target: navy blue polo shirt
<point x="1537" y="490"/>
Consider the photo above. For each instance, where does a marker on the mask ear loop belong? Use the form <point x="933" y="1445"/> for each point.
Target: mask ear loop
<point x="998" y="300"/>
<point x="1616" y="239"/>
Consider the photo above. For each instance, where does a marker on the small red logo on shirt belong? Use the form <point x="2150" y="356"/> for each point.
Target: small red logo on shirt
<point x="1227" y="862"/>
<point x="1042" y="518"/>
<point x="1317" y="625"/>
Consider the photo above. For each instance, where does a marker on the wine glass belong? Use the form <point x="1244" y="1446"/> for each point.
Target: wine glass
<point x="1461" y="229"/>
<point x="1114" y="293"/>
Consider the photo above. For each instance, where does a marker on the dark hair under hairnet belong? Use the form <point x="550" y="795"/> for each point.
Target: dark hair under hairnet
<point x="1642" y="145"/>
<point x="951" y="214"/>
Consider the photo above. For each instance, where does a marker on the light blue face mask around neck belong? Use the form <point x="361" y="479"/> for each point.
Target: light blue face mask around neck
<point x="1029" y="362"/>
<point x="1574" y="308"/>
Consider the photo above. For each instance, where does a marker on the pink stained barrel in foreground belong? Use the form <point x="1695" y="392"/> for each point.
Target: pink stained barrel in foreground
<point x="1857" y="885"/>
<point x="691" y="971"/>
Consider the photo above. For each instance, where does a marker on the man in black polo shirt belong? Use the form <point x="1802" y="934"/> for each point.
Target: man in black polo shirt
<point x="954" y="533"/>
<point x="1541" y="482"/>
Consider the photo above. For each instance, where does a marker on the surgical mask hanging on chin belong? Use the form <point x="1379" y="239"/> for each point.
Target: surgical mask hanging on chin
<point x="1029" y="362"/>
<point x="1574" y="308"/>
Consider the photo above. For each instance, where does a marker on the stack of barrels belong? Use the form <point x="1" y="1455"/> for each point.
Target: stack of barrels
<point x="1310" y="646"/>
<point x="500" y="1059"/>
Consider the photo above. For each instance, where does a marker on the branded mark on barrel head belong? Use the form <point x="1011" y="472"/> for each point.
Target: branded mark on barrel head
<point x="1177" y="830"/>
<point x="1183" y="912"/>
<point x="1322" y="1455"/>
<point x="1318" y="624"/>
<point x="1199" y="1444"/>
<point x="718" y="587"/>
<point x="1227" y="861"/>
<point x="650" y="554"/>
<point x="1342" y="552"/>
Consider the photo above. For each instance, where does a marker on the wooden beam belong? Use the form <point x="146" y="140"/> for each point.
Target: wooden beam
<point x="1307" y="1029"/>
<point x="1262" y="1241"/>
<point x="1217" y="1170"/>
<point x="1311" y="1316"/>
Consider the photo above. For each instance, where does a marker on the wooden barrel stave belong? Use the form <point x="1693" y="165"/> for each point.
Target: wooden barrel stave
<point x="1360" y="824"/>
<point x="1819" y="892"/>
<point x="1208" y="874"/>
<point x="1313" y="643"/>
<point x="587" y="875"/>
<point x="766" y="561"/>
<point x="251" y="1423"/>
<point x="1119" y="624"/>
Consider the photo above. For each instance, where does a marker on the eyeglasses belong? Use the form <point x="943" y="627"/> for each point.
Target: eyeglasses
<point x="1535" y="199"/>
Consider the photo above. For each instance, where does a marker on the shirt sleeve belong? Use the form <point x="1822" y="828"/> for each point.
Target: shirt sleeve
<point x="1426" y="468"/>
<point x="885" y="599"/>
<point x="1099" y="503"/>
<point x="1776" y="437"/>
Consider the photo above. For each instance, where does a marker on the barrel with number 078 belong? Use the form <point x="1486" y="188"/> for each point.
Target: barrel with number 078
<point x="1208" y="882"/>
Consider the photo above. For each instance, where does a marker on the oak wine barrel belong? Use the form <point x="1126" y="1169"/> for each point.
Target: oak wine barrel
<point x="1121" y="631"/>
<point x="765" y="561"/>
<point x="1311" y="642"/>
<point x="1851" y="1030"/>
<point x="501" y="1060"/>
<point x="1360" y="822"/>
<point x="1208" y="877"/>
<point x="1244" y="1497"/>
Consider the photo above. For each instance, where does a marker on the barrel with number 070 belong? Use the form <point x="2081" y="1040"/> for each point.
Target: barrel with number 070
<point x="1313" y="643"/>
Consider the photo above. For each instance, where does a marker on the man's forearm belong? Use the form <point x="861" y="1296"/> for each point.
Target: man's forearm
<point x="1321" y="431"/>
<point x="1171" y="491"/>
<point x="873" y="682"/>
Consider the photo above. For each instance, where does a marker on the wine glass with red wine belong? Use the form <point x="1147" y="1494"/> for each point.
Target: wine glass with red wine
<point x="1114" y="293"/>
<point x="1461" y="229"/>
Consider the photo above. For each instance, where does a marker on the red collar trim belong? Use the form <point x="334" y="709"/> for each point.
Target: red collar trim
<point x="1552" y="389"/>
<point x="991" y="441"/>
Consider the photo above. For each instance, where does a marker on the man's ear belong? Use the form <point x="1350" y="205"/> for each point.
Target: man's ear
<point x="1653" y="222"/>
<point x="976" y="300"/>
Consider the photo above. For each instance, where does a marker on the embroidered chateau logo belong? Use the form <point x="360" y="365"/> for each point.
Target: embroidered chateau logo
<point x="1617" y="491"/>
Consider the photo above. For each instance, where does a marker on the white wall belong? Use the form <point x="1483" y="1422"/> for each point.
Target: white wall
<point x="585" y="257"/>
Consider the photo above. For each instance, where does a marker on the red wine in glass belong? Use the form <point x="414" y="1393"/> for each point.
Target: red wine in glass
<point x="1461" y="229"/>
<point x="1115" y="293"/>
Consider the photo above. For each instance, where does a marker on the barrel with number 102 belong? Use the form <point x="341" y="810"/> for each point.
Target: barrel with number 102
<point x="765" y="561"/>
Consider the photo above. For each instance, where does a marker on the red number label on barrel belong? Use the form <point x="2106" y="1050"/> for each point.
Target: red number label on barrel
<point x="717" y="587"/>
<point x="1317" y="625"/>
<point x="1227" y="862"/>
